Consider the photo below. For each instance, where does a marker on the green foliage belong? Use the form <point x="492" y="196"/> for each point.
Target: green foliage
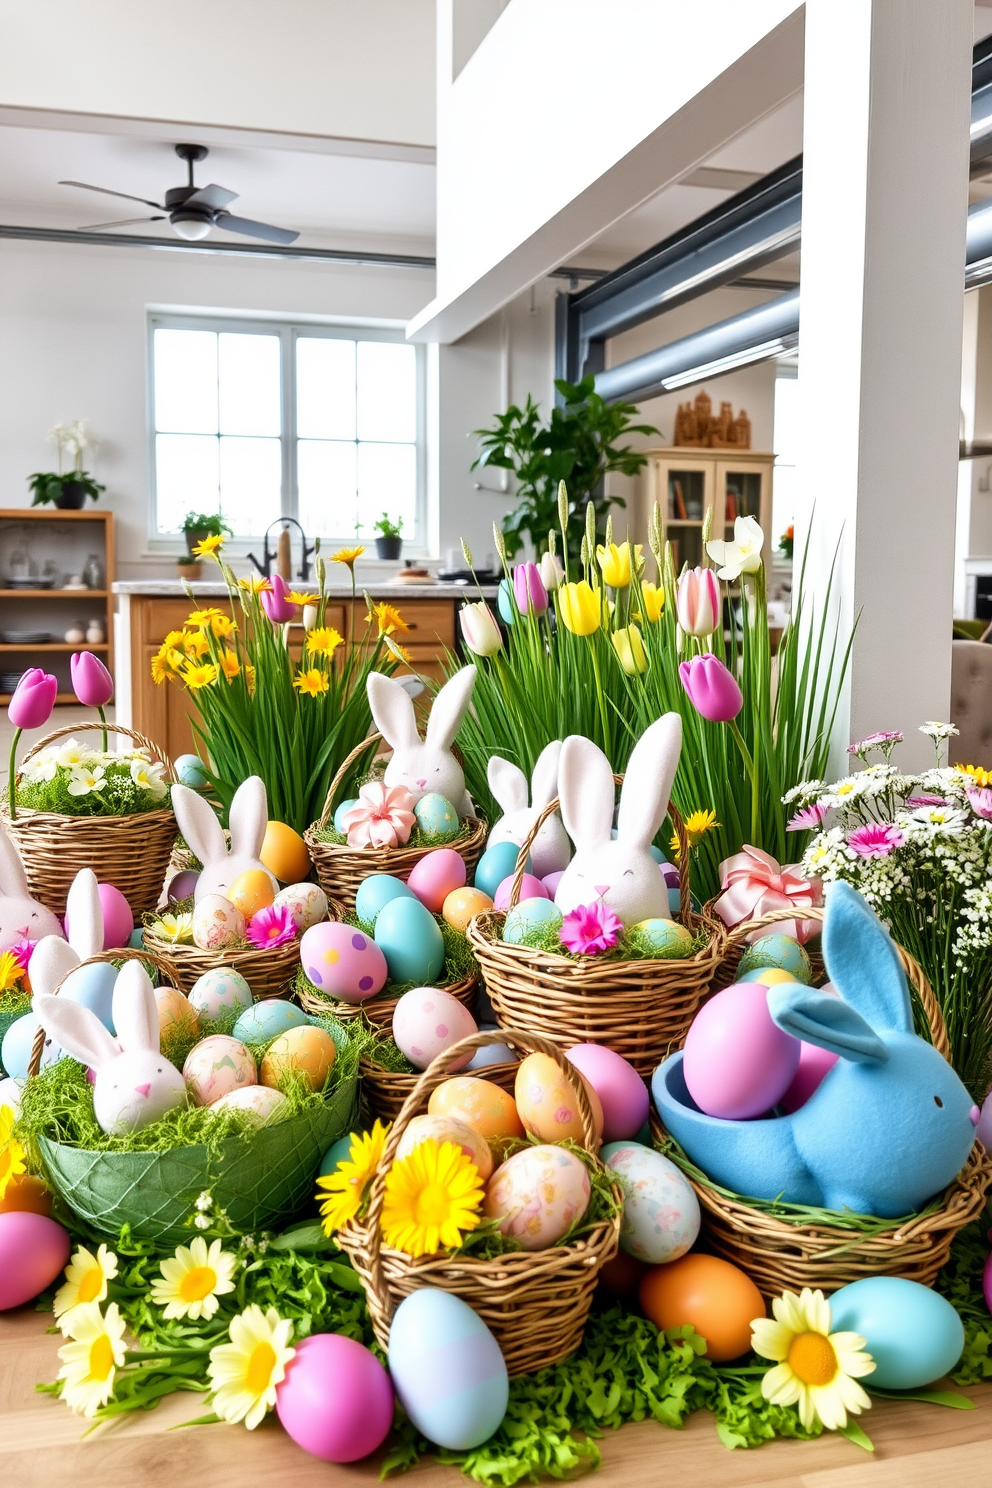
<point x="46" y="486"/>
<point x="119" y="794"/>
<point x="632" y="945"/>
<point x="961" y="1283"/>
<point x="205" y="524"/>
<point x="386" y="527"/>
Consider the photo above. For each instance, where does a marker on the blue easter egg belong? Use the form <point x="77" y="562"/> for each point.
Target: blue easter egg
<point x="218" y="991"/>
<point x="492" y="1053"/>
<point x="190" y="771"/>
<point x="913" y="1333"/>
<point x="15" y="1051"/>
<point x="496" y="864"/>
<point x="93" y="987"/>
<point x="528" y="916"/>
<point x="781" y="951"/>
<point x="137" y="940"/>
<point x="437" y="817"/>
<point x="264" y="1021"/>
<point x="375" y="891"/>
<point x="505" y="603"/>
<point x="337" y="1153"/>
<point x="341" y="811"/>
<point x="409" y="938"/>
<point x="657" y="854"/>
<point x="448" y="1370"/>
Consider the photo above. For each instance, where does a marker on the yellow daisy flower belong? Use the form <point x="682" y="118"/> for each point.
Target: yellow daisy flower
<point x="174" y="639"/>
<point x="91" y="1360"/>
<point x="11" y="1152"/>
<point x="193" y="1279"/>
<point x="195" y="644"/>
<point x="696" y="825"/>
<point x="86" y="1279"/>
<point x="166" y="664"/>
<point x="979" y="776"/>
<point x="389" y="618"/>
<point x="176" y="928"/>
<point x="196" y="677"/>
<point x="297" y="598"/>
<point x="432" y="1195"/>
<point x="254" y="584"/>
<point x="400" y="652"/>
<point x="311" y="682"/>
<point x="244" y="1373"/>
<point x="347" y="555"/>
<point x="11" y="971"/>
<point x="229" y="665"/>
<point x="200" y="618"/>
<point x="815" y="1369"/>
<point x="250" y="678"/>
<point x="209" y="547"/>
<point x="345" y="1187"/>
<point x="324" y="642"/>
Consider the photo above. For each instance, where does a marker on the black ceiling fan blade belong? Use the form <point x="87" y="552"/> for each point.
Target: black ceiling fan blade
<point x="254" y="229"/>
<point x="124" y="222"/>
<point x="214" y="197"/>
<point x="85" y="186"/>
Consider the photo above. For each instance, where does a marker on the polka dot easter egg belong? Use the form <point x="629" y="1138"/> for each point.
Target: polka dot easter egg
<point x="537" y="1195"/>
<point x="306" y="902"/>
<point x="428" y="1020"/>
<point x="219" y="991"/>
<point x="343" y="961"/>
<point x="660" y="1211"/>
<point x="548" y="1102"/>
<point x="216" y="1066"/>
<point x="436" y="817"/>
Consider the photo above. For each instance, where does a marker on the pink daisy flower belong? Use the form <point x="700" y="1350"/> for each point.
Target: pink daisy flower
<point x="381" y="817"/>
<point x="271" y="927"/>
<point x="875" y="840"/>
<point x="590" y="928"/>
<point x="808" y="819"/>
<point x="22" y="951"/>
<point x="875" y="741"/>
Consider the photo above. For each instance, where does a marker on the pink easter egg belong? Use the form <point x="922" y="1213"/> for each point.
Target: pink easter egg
<point x="551" y="882"/>
<point x="814" y="1064"/>
<point x="118" y="921"/>
<point x="622" y="1093"/>
<point x="33" y="1250"/>
<point x="343" y="960"/>
<point x="987" y="1282"/>
<point x="336" y="1400"/>
<point x="428" y="1020"/>
<point x="182" y="886"/>
<point x="435" y="876"/>
<point x="738" y="1063"/>
<point x="531" y="888"/>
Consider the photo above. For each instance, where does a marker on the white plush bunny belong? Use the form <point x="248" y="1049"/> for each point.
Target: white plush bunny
<point x="551" y="848"/>
<point x="423" y="765"/>
<point x="620" y="872"/>
<point x="53" y="959"/>
<point x="135" y="1084"/>
<point x="249" y="816"/>
<point x="21" y="917"/>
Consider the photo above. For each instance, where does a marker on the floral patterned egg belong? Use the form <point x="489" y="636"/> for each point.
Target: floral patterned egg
<point x="436" y="817"/>
<point x="309" y="1052"/>
<point x="428" y="1020"/>
<point x="216" y="1066"/>
<point x="217" y="923"/>
<point x="218" y="991"/>
<point x="257" y="1101"/>
<point x="537" y="1195"/>
<point x="547" y="1102"/>
<point x="306" y="902"/>
<point x="448" y="1129"/>
<point x="660" y="1211"/>
<point x="175" y="1011"/>
<point x="343" y="961"/>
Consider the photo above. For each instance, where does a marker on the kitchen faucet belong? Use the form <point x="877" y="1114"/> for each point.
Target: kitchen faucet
<point x="268" y="554"/>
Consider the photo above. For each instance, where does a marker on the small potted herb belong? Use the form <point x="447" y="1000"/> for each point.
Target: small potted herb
<point x="389" y="543"/>
<point x="189" y="568"/>
<point x="64" y="489"/>
<point x="198" y="525"/>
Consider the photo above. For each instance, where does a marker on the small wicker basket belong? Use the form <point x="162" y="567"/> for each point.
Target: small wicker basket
<point x="377" y="1010"/>
<point x="385" y="1092"/>
<point x="736" y="943"/>
<point x="535" y="1302"/>
<point x="130" y="852"/>
<point x="779" y="1253"/>
<point x="269" y="971"/>
<point x="640" y="1009"/>
<point x="341" y="869"/>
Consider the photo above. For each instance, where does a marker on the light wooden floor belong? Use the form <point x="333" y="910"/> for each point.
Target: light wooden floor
<point x="916" y="1446"/>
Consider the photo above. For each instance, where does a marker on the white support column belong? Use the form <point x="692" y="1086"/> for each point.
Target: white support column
<point x="885" y="196"/>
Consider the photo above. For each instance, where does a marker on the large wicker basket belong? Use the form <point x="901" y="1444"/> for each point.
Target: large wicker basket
<point x="130" y="852"/>
<point x="377" y="1010"/>
<point x="535" y="1302"/>
<point x="640" y="1009"/>
<point x="736" y="942"/>
<point x="341" y="869"/>
<point x="780" y="1251"/>
<point x="385" y="1092"/>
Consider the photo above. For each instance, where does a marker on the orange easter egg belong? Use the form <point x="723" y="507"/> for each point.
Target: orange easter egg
<point x="27" y="1195"/>
<point x="718" y="1299"/>
<point x="284" y="853"/>
<point x="251" y="891"/>
<point x="481" y="1104"/>
<point x="462" y="905"/>
<point x="175" y="1011"/>
<point x="308" y="1051"/>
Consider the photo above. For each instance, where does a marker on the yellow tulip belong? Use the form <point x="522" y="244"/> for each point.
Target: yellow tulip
<point x="629" y="646"/>
<point x="653" y="596"/>
<point x="615" y="562"/>
<point x="580" y="607"/>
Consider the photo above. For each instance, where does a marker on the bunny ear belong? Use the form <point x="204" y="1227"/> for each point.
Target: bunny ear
<point x="449" y="707"/>
<point x="78" y="1031"/>
<point x="135" y="1011"/>
<point x="84" y="915"/>
<point x="826" y="1021"/>
<point x="392" y="711"/>
<point x="199" y="825"/>
<point x="862" y="960"/>
<point x="647" y="783"/>
<point x="585" y="784"/>
<point x="544" y="781"/>
<point x="13" y="879"/>
<point x="508" y="784"/>
<point x="248" y="817"/>
<point x="51" y="960"/>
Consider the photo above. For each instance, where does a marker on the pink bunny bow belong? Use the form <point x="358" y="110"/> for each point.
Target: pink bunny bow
<point x="754" y="884"/>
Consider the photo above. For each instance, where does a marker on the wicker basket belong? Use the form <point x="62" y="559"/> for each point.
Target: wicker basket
<point x="341" y="869"/>
<point x="377" y="1010"/>
<point x="736" y="943"/>
<point x="535" y="1302"/>
<point x="640" y="1009"/>
<point x="130" y="852"/>
<point x="269" y="971"/>
<point x="777" y="1254"/>
<point x="385" y="1092"/>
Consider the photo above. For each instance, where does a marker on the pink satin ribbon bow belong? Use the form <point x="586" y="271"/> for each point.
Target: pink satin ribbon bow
<point x="754" y="884"/>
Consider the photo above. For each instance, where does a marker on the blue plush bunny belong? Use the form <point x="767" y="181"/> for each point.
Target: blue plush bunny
<point x="890" y="1125"/>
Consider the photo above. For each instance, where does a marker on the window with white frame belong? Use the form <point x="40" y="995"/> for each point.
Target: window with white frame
<point x="261" y="419"/>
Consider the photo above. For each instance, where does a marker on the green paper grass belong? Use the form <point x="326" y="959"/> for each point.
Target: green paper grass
<point x="418" y="837"/>
<point x="632" y="945"/>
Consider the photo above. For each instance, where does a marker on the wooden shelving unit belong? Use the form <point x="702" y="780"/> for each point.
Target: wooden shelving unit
<point x="683" y="479"/>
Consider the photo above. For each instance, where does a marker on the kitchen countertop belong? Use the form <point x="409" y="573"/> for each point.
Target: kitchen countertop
<point x="211" y="589"/>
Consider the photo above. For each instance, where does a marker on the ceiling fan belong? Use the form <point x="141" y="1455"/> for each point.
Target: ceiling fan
<point x="192" y="210"/>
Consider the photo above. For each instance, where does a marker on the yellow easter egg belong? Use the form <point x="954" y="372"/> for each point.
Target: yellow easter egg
<point x="481" y="1104"/>
<point x="251" y="891"/>
<point x="175" y="1011"/>
<point x="547" y="1101"/>
<point x="301" y="1051"/>
<point x="768" y="976"/>
<point x="284" y="853"/>
<point x="462" y="905"/>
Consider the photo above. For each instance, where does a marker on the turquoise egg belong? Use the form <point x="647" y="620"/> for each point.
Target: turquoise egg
<point x="437" y="817"/>
<point x="409" y="938"/>
<point x="337" y="1153"/>
<point x="341" y="810"/>
<point x="93" y="987"/>
<point x="447" y="1368"/>
<point x="664" y="938"/>
<point x="264" y="1021"/>
<point x="190" y="771"/>
<point x="218" y="991"/>
<point x="504" y="602"/>
<point x="657" y="854"/>
<point x="496" y="864"/>
<point x="913" y="1333"/>
<point x="137" y="940"/>
<point x="781" y="951"/>
<point x="375" y="891"/>
<point x="528" y="916"/>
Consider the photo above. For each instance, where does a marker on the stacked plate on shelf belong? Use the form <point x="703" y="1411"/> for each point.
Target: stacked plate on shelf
<point x="9" y="681"/>
<point x="24" y="637"/>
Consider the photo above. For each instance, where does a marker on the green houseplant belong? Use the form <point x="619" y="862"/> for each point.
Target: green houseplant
<point x="389" y="542"/>
<point x="198" y="525"/>
<point x="578" y="445"/>
<point x="66" y="489"/>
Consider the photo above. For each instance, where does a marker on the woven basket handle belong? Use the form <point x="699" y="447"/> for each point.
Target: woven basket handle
<point x="126" y="953"/>
<point x="340" y="774"/>
<point x="914" y="971"/>
<point x="112" y="728"/>
<point x="552" y="807"/>
<point x="435" y="1074"/>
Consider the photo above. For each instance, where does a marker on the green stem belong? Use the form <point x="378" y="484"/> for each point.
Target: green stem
<point x="103" y="720"/>
<point x="12" y="771"/>
<point x="752" y="776"/>
<point x="599" y="694"/>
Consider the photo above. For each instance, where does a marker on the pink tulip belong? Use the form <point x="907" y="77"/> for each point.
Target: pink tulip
<point x="697" y="601"/>
<point x="529" y="590"/>
<point x="711" y="689"/>
<point x="91" y="682"/>
<point x="275" y="603"/>
<point x="33" y="700"/>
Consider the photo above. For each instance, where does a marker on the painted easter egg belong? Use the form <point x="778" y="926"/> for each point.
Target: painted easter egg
<point x="341" y="812"/>
<point x="411" y="941"/>
<point x="284" y="853"/>
<point x="118" y="921"/>
<point x="768" y="976"/>
<point x="781" y="951"/>
<point x="215" y="1066"/>
<point x="182" y="886"/>
<point x="217" y="923"/>
<point x="496" y="864"/>
<point x="258" y="1102"/>
<point x="709" y="1294"/>
<point x="547" y="1101"/>
<point x="492" y="1053"/>
<point x="377" y="890"/>
<point x="462" y="905"/>
<point x="530" y="888"/>
<point x="428" y="1020"/>
<point x="219" y="991"/>
<point x="447" y="1369"/>
<point x="913" y="1333"/>
<point x="660" y="1211"/>
<point x="738" y="1063"/>
<point x="436" y="817"/>
<point x="531" y="917"/>
<point x="336" y="1400"/>
<point x="448" y="1129"/>
<point x="622" y="1093"/>
<point x="175" y="1012"/>
<point x="436" y="875"/>
<point x="481" y="1104"/>
<point x="26" y="1194"/>
<point x="93" y="987"/>
<point x="33" y="1250"/>
<point x="814" y="1065"/>
<point x="343" y="961"/>
<point x="190" y="771"/>
<point x="551" y="882"/>
<point x="309" y="1052"/>
<point x="15" y="1051"/>
<point x="306" y="902"/>
<point x="266" y="1020"/>
<point x="666" y="939"/>
<point x="537" y="1195"/>
<point x="251" y="891"/>
<point x="336" y="1154"/>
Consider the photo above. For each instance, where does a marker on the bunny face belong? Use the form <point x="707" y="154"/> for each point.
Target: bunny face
<point x="203" y="832"/>
<point x="551" y="850"/>
<point x="21" y="917"/>
<point x="423" y="765"/>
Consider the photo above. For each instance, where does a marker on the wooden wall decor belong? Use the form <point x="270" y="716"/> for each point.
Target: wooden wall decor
<point x="697" y="427"/>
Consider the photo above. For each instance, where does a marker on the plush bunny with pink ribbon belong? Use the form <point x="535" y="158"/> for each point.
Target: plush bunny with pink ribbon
<point x="754" y="884"/>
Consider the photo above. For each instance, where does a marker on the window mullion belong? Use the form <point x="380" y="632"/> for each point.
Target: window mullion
<point x="290" y="478"/>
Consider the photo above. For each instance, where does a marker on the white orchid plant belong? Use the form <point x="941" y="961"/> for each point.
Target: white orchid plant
<point x="72" y="780"/>
<point x="72" y="439"/>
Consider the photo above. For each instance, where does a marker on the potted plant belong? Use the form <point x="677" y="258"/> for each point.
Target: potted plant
<point x="198" y="525"/>
<point x="389" y="543"/>
<point x="66" y="489"/>
<point x="190" y="568"/>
